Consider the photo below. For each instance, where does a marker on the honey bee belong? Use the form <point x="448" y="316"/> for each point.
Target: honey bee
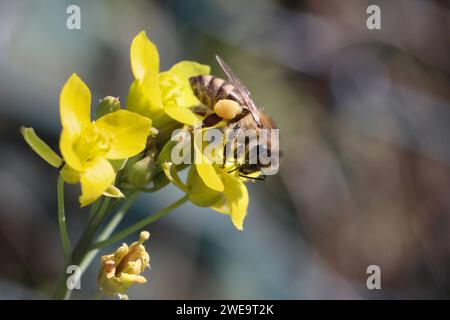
<point x="231" y="101"/>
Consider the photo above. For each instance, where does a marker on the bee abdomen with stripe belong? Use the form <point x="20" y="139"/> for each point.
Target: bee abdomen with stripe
<point x="209" y="89"/>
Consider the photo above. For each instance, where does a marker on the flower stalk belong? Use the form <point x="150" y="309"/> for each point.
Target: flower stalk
<point x="62" y="219"/>
<point x="141" y="224"/>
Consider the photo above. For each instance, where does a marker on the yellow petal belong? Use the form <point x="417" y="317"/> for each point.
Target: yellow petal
<point x="236" y="195"/>
<point x="96" y="180"/>
<point x="204" y="166"/>
<point x="172" y="174"/>
<point x="209" y="176"/>
<point x="184" y="70"/>
<point x="144" y="56"/>
<point x="199" y="194"/>
<point x="75" y="105"/>
<point x="69" y="175"/>
<point x="66" y="144"/>
<point x="129" y="132"/>
<point x="150" y="86"/>
<point x="221" y="206"/>
<point x="182" y="115"/>
<point x="113" y="192"/>
<point x="136" y="100"/>
<point x="144" y="97"/>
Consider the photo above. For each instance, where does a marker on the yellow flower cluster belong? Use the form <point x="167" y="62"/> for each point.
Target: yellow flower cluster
<point x="91" y="149"/>
<point x="123" y="150"/>
<point x="158" y="95"/>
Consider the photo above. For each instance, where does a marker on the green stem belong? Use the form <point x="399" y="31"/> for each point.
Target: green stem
<point x="79" y="251"/>
<point x="81" y="256"/>
<point x="100" y="215"/>
<point x="107" y="231"/>
<point x="89" y="232"/>
<point x="94" y="208"/>
<point x="139" y="225"/>
<point x="118" y="216"/>
<point x="62" y="219"/>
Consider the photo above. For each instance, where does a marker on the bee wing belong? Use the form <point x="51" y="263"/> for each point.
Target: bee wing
<point x="242" y="89"/>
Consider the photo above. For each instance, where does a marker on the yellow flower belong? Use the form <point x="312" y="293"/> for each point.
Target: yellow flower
<point x="161" y="96"/>
<point x="123" y="268"/>
<point x="87" y="145"/>
<point x="211" y="184"/>
<point x="232" y="200"/>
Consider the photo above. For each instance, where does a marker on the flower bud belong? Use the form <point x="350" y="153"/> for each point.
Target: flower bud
<point x="141" y="172"/>
<point x="107" y="105"/>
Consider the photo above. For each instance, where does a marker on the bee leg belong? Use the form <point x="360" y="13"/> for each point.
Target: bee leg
<point x="230" y="140"/>
<point x="211" y="120"/>
<point x="231" y="171"/>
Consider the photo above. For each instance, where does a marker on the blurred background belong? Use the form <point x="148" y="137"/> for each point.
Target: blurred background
<point x="365" y="129"/>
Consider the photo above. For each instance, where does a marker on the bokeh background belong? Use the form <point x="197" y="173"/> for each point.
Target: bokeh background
<point x="365" y="128"/>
